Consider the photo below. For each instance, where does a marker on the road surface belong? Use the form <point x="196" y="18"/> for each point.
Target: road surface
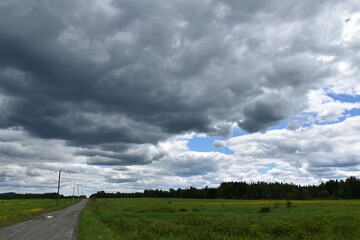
<point x="59" y="225"/>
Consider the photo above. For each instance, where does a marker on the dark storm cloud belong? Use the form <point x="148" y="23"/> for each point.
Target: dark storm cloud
<point x="264" y="112"/>
<point x="129" y="155"/>
<point x="5" y="175"/>
<point x="127" y="72"/>
<point x="32" y="173"/>
<point x="116" y="179"/>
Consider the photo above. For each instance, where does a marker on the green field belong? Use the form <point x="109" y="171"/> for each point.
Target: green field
<point x="199" y="219"/>
<point x="12" y="211"/>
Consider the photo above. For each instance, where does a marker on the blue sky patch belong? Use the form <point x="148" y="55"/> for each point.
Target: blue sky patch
<point x="103" y="166"/>
<point x="266" y="168"/>
<point x="345" y="97"/>
<point x="205" y="144"/>
<point x="353" y="112"/>
<point x="237" y="132"/>
<point x="281" y="125"/>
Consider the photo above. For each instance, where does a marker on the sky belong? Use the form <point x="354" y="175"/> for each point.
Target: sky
<point x="124" y="95"/>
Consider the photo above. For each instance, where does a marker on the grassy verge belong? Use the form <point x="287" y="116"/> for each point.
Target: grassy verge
<point x="13" y="211"/>
<point x="181" y="219"/>
<point x="89" y="224"/>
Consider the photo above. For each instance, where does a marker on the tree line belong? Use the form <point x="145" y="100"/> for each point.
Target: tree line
<point x="345" y="189"/>
<point x="34" y="196"/>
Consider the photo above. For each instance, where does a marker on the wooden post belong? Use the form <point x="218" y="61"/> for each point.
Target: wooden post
<point x="57" y="197"/>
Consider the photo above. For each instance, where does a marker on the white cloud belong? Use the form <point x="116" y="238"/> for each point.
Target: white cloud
<point x="304" y="156"/>
<point x="306" y="150"/>
<point x="326" y="108"/>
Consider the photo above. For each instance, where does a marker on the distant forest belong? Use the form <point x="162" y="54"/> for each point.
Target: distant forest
<point x="345" y="189"/>
<point x="12" y="195"/>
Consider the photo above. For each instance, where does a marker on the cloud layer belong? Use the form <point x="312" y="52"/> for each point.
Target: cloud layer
<point x="113" y="81"/>
<point x="135" y="72"/>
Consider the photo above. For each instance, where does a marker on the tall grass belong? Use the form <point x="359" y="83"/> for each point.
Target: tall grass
<point x="218" y="219"/>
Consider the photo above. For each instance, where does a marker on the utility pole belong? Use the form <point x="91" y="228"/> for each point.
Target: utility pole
<point x="77" y="185"/>
<point x="57" y="197"/>
<point x="73" y="191"/>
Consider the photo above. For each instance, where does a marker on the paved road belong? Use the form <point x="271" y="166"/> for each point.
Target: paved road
<point x="59" y="225"/>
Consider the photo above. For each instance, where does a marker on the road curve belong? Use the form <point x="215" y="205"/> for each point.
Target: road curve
<point x="59" y="225"/>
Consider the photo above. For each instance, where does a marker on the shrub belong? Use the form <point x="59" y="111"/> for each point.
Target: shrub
<point x="265" y="209"/>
